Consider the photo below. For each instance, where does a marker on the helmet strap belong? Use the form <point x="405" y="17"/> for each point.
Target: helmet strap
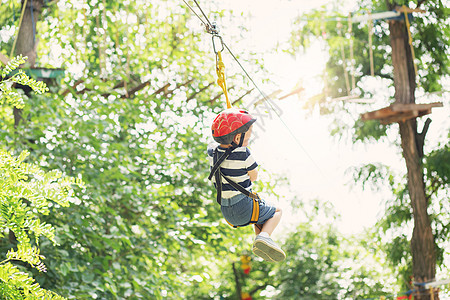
<point x="241" y="141"/>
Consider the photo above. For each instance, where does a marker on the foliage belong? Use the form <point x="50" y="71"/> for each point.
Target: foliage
<point x="128" y="118"/>
<point x="27" y="193"/>
<point x="10" y="96"/>
<point x="332" y="29"/>
<point x="324" y="265"/>
<point x="320" y="264"/>
<point x="431" y="44"/>
<point x="394" y="227"/>
<point x="436" y="170"/>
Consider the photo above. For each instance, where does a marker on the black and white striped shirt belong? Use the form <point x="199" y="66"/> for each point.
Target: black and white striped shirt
<point x="235" y="167"/>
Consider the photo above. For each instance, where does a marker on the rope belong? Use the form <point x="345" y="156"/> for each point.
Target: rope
<point x="410" y="39"/>
<point x="201" y="10"/>
<point x="220" y="66"/>
<point x="275" y="111"/>
<point x="32" y="22"/>
<point x="212" y="30"/>
<point x="206" y="25"/>
<point x="220" y="70"/>
<point x="351" y="51"/>
<point x="370" y="24"/>
<point x="324" y="74"/>
<point x="344" y="61"/>
<point x="210" y="27"/>
<point x="20" y="25"/>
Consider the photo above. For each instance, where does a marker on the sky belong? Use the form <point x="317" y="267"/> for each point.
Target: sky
<point x="298" y="146"/>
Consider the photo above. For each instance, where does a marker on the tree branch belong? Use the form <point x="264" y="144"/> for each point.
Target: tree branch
<point x="162" y="89"/>
<point x="261" y="287"/>
<point x="435" y="185"/>
<point x="420" y="137"/>
<point x="136" y="89"/>
<point x="220" y="95"/>
<point x="240" y="98"/>
<point x="78" y="82"/>
<point x="420" y="3"/>
<point x="236" y="280"/>
<point x="201" y="90"/>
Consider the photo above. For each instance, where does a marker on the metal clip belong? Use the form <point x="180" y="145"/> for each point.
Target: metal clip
<point x="214" y="44"/>
<point x="212" y="28"/>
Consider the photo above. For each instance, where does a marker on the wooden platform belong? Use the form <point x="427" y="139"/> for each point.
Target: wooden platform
<point x="398" y="112"/>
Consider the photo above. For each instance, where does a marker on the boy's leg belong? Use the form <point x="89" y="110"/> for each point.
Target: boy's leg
<point x="263" y="246"/>
<point x="272" y="223"/>
<point x="258" y="228"/>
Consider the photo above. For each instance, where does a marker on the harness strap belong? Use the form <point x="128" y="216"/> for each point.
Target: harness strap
<point x="255" y="209"/>
<point x="219" y="187"/>
<point x="237" y="186"/>
<point x="217" y="173"/>
<point x="218" y="162"/>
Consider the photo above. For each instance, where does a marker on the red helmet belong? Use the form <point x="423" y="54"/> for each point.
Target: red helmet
<point x="229" y="123"/>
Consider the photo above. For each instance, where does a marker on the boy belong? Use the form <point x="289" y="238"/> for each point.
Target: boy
<point x="234" y="169"/>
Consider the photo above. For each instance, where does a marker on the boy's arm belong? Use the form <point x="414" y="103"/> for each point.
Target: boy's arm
<point x="253" y="174"/>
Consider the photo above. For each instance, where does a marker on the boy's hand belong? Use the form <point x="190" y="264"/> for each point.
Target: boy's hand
<point x="253" y="174"/>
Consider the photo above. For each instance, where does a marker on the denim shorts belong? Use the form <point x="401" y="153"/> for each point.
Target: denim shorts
<point x="238" y="210"/>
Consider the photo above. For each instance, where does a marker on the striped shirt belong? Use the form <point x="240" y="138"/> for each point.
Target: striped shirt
<point x="235" y="167"/>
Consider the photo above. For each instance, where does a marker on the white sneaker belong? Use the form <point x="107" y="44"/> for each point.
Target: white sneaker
<point x="265" y="248"/>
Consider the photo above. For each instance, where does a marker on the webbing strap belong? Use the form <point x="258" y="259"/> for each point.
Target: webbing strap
<point x="216" y="172"/>
<point x="218" y="187"/>
<point x="237" y="186"/>
<point x="255" y="212"/>
<point x="218" y="162"/>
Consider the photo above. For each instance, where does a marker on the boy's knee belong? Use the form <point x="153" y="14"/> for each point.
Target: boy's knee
<point x="279" y="211"/>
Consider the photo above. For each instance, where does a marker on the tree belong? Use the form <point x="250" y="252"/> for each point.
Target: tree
<point x="128" y="117"/>
<point x="27" y="194"/>
<point x="433" y="65"/>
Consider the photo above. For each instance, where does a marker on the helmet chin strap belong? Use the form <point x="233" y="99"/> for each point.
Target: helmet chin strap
<point x="241" y="141"/>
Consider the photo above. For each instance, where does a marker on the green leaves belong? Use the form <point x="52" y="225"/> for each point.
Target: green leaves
<point x="26" y="194"/>
<point x="29" y="255"/>
<point x="371" y="130"/>
<point x="15" y="284"/>
<point x="436" y="169"/>
<point x="38" y="86"/>
<point x="12" y="65"/>
<point x="10" y="96"/>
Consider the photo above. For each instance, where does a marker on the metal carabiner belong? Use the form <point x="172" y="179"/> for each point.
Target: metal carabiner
<point x="214" y="44"/>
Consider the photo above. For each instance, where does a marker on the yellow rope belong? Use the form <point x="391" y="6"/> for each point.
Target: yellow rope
<point x="410" y="38"/>
<point x="220" y="70"/>
<point x="20" y="25"/>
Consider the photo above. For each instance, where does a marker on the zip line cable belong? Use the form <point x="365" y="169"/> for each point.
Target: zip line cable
<point x="210" y="27"/>
<point x="267" y="99"/>
<point x="201" y="10"/>
<point x="206" y="25"/>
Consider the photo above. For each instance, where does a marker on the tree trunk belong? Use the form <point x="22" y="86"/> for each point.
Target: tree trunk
<point x="236" y="280"/>
<point x="26" y="40"/>
<point x="422" y="242"/>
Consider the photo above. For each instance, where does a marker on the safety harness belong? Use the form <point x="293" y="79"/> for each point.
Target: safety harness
<point x="217" y="173"/>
